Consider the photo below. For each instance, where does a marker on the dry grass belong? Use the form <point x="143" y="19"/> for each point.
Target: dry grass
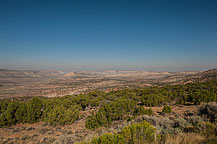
<point x="185" y="138"/>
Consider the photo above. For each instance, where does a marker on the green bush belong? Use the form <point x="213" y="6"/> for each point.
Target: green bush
<point x="3" y="106"/>
<point x="34" y="110"/>
<point x="21" y="113"/>
<point x="152" y="99"/>
<point x="109" y="138"/>
<point x="167" y="109"/>
<point x="119" y="110"/>
<point x="142" y="111"/>
<point x="137" y="133"/>
<point x="7" y="117"/>
<point x="61" y="115"/>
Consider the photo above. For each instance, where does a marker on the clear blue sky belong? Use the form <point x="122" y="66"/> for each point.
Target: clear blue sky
<point x="160" y="35"/>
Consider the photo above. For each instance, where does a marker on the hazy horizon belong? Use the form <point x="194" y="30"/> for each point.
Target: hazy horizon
<point x="108" y="35"/>
<point x="113" y="68"/>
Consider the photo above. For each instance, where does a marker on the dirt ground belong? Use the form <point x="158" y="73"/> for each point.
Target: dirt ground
<point x="178" y="110"/>
<point x="39" y="132"/>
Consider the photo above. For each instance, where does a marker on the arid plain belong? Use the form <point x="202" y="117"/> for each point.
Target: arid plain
<point x="28" y="83"/>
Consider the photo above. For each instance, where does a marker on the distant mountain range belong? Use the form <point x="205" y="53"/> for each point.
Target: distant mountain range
<point x="6" y="73"/>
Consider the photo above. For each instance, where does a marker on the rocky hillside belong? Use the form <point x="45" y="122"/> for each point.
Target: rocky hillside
<point x="207" y="75"/>
<point x="188" y="77"/>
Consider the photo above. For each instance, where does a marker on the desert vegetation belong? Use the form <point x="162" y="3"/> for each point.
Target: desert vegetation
<point x="130" y="106"/>
<point x="114" y="105"/>
<point x="167" y="109"/>
<point x="141" y="132"/>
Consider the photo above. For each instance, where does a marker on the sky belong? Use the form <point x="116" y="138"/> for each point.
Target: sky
<point x="72" y="35"/>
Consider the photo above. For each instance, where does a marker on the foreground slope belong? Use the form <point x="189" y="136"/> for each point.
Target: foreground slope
<point x="82" y="117"/>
